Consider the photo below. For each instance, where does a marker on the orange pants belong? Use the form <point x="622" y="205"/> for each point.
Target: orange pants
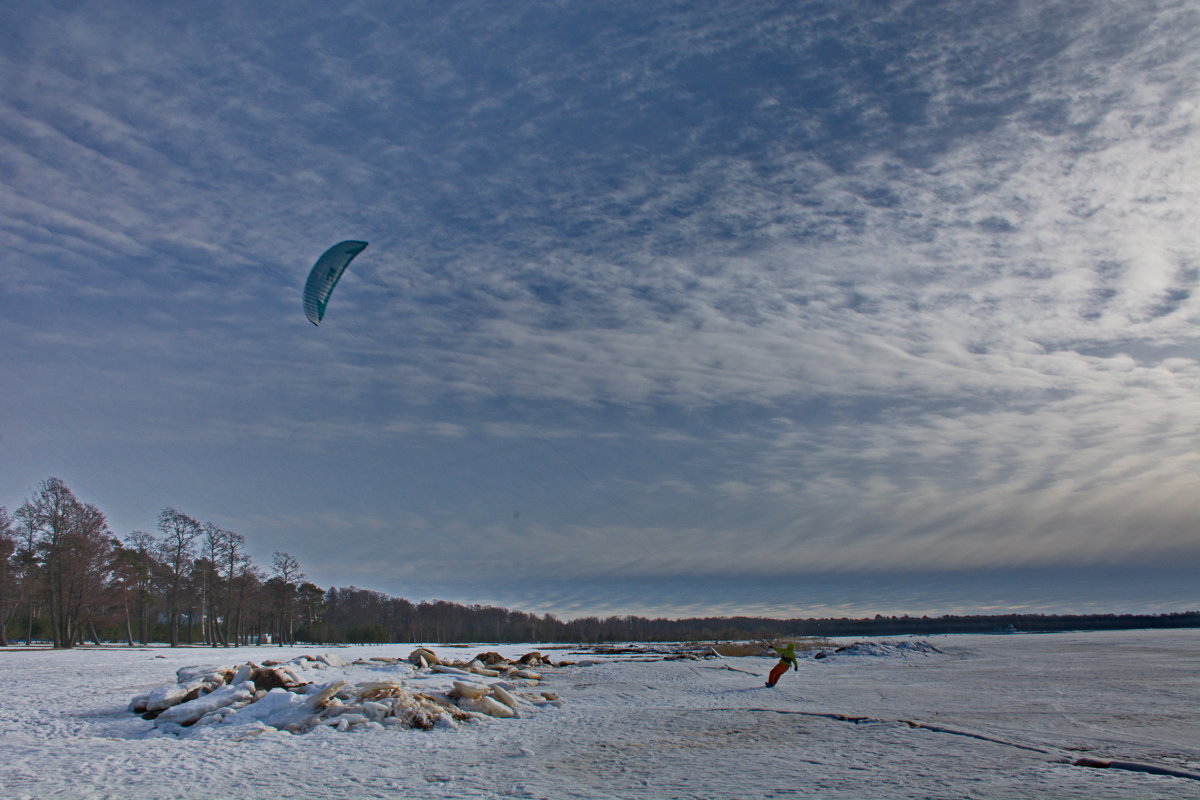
<point x="777" y="672"/>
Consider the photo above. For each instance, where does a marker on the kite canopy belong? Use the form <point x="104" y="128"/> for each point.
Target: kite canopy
<point x="324" y="277"/>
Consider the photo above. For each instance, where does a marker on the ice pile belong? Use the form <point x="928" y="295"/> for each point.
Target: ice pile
<point x="276" y="695"/>
<point x="886" y="649"/>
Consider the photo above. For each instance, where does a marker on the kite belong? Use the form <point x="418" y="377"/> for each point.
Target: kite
<point x="324" y="277"/>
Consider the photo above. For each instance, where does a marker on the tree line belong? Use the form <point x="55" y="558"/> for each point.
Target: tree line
<point x="65" y="578"/>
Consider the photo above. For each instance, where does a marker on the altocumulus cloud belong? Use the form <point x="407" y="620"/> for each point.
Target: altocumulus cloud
<point x="669" y="296"/>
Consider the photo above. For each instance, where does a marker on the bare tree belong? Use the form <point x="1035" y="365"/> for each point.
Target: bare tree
<point x="32" y="575"/>
<point x="312" y="604"/>
<point x="221" y="550"/>
<point x="285" y="567"/>
<point x="140" y="564"/>
<point x="233" y="556"/>
<point x="71" y="539"/>
<point x="246" y="598"/>
<point x="8" y="546"/>
<point x="213" y="546"/>
<point x="87" y="572"/>
<point x="44" y="521"/>
<point x="179" y="532"/>
<point x="286" y="574"/>
<point x="124" y="584"/>
<point x="251" y="600"/>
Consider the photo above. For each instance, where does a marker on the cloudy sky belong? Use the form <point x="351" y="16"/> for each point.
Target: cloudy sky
<point x="669" y="308"/>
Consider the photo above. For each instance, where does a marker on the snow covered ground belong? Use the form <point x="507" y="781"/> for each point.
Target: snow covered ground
<point x="988" y="717"/>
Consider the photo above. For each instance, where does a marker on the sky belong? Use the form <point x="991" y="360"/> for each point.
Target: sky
<point x="672" y="309"/>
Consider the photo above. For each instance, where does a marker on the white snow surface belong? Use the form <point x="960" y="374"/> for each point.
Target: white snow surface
<point x="988" y="717"/>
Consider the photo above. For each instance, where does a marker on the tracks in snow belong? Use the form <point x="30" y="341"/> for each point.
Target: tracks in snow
<point x="1095" y="763"/>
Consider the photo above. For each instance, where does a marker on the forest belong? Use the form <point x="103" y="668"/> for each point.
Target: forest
<point x="65" y="580"/>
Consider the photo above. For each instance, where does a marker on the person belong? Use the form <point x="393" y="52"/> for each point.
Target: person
<point x="787" y="658"/>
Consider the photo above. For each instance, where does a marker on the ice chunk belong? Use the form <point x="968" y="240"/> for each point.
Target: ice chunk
<point x="448" y="670"/>
<point x="173" y="694"/>
<point x="325" y="694"/>
<point x="500" y="694"/>
<point x="469" y="690"/>
<point x="346" y="721"/>
<point x="191" y="711"/>
<point x="278" y="708"/>
<point x="375" y="711"/>
<point x="332" y="660"/>
<point x="533" y="659"/>
<point x="423" y="657"/>
<point x="478" y="668"/>
<point x="486" y="705"/>
<point x="244" y="673"/>
<point x="375" y="690"/>
<point x="189" y="674"/>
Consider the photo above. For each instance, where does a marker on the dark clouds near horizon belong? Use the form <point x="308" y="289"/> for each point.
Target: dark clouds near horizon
<point x="668" y="308"/>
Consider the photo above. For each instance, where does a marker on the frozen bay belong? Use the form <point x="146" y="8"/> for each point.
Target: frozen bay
<point x="989" y="717"/>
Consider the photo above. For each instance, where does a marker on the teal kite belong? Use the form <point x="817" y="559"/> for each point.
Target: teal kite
<point x="324" y="277"/>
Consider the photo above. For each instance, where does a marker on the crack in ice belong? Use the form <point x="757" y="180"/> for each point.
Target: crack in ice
<point x="1095" y="763"/>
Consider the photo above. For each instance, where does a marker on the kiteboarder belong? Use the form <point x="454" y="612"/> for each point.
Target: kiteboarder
<point x="787" y="658"/>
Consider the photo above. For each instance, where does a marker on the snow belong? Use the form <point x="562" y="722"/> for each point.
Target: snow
<point x="1014" y="716"/>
